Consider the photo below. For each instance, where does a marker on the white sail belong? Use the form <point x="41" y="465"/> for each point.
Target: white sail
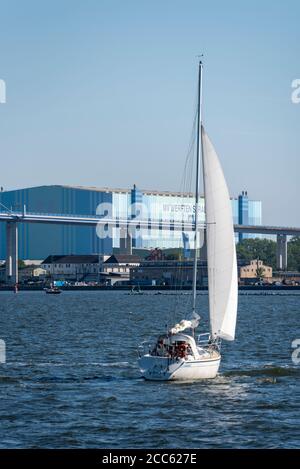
<point x="221" y="253"/>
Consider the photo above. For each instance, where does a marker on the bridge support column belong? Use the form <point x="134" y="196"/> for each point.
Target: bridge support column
<point x="12" y="252"/>
<point x="125" y="242"/>
<point x="281" y="255"/>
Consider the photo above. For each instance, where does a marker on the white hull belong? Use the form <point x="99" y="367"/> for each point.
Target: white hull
<point x="165" y="369"/>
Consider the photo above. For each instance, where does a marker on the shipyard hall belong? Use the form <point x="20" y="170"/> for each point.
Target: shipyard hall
<point x="37" y="241"/>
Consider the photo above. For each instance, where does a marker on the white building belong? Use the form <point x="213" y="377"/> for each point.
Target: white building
<point x="74" y="267"/>
<point x="117" y="267"/>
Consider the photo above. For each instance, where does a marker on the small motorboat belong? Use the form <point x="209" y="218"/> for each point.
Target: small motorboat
<point x="52" y="291"/>
<point x="136" y="290"/>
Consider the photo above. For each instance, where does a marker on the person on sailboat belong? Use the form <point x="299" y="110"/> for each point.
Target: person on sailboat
<point x="159" y="348"/>
<point x="182" y="350"/>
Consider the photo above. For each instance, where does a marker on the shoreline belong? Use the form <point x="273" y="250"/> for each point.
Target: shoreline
<point x="150" y="288"/>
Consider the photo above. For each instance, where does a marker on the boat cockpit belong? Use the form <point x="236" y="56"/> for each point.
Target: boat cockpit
<point x="174" y="346"/>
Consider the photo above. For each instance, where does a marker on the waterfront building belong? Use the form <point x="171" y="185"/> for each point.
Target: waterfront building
<point x="170" y="273"/>
<point x="73" y="267"/>
<point x="32" y="273"/>
<point x="37" y="240"/>
<point x="256" y="269"/>
<point x="117" y="268"/>
<point x="287" y="278"/>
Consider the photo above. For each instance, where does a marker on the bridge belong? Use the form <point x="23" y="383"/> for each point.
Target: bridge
<point x="13" y="218"/>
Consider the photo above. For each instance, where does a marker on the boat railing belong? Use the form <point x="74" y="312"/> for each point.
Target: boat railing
<point x="144" y="348"/>
<point x="203" y="339"/>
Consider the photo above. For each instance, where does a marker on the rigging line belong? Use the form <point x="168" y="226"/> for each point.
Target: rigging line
<point x="189" y="157"/>
<point x="186" y="183"/>
<point x="186" y="187"/>
<point x="181" y="269"/>
<point x="178" y="285"/>
<point x="192" y="139"/>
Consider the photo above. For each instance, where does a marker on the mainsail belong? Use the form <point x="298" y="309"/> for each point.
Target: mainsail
<point x="221" y="253"/>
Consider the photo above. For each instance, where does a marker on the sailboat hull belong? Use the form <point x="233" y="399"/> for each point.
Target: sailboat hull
<point x="164" y="369"/>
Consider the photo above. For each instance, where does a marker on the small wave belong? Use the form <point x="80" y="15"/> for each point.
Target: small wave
<point x="271" y="371"/>
<point x="25" y="364"/>
<point x="8" y="379"/>
<point x="109" y="399"/>
<point x="111" y="364"/>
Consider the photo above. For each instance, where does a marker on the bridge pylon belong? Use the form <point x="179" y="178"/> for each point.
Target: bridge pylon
<point x="12" y="276"/>
<point x="281" y="254"/>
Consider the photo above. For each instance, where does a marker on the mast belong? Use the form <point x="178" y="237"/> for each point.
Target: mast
<point x="199" y="146"/>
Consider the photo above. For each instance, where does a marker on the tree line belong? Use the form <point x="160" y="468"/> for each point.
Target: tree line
<point x="265" y="250"/>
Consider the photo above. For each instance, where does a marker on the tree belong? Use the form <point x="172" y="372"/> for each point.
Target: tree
<point x="21" y="264"/>
<point x="263" y="249"/>
<point x="260" y="272"/>
<point x="294" y="254"/>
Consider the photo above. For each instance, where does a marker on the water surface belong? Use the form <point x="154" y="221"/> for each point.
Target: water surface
<point x="71" y="379"/>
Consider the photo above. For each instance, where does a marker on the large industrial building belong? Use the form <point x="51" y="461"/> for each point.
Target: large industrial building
<point x="37" y="241"/>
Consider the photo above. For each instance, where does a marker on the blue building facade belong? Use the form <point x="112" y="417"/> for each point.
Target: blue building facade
<point x="249" y="213"/>
<point x="37" y="241"/>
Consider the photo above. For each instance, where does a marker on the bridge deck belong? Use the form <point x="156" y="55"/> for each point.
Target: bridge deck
<point x="90" y="220"/>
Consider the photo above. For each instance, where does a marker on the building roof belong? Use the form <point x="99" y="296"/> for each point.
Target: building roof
<point x="98" y="189"/>
<point x="117" y="190"/>
<point x="127" y="191"/>
<point x="72" y="259"/>
<point x="123" y="259"/>
<point x="171" y="263"/>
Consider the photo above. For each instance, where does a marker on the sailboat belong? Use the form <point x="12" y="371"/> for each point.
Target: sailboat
<point x="179" y="354"/>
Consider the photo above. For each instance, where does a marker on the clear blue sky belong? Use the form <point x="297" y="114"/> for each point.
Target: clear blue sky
<point x="102" y="92"/>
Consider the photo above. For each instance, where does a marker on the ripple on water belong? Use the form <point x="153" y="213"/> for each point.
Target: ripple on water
<point x="72" y="379"/>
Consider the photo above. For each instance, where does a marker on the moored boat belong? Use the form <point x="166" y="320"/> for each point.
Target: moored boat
<point x="52" y="291"/>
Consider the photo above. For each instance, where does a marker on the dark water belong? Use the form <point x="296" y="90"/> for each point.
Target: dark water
<point x="71" y="378"/>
